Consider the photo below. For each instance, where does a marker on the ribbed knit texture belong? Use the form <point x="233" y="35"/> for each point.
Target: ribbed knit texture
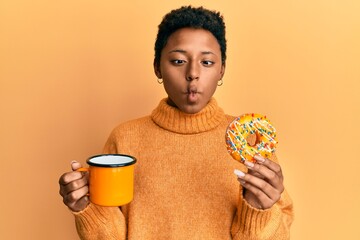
<point x="185" y="187"/>
<point x="172" y="119"/>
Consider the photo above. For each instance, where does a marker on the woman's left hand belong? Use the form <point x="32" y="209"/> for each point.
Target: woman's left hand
<point x="263" y="184"/>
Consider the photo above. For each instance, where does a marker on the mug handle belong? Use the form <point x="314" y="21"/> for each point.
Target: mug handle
<point x="82" y="169"/>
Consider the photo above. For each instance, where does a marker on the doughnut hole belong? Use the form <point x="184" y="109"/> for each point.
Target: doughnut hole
<point x="252" y="139"/>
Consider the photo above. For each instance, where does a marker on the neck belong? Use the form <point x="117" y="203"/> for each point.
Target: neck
<point x="172" y="119"/>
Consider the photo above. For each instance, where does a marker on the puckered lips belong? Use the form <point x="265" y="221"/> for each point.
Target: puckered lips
<point x="192" y="94"/>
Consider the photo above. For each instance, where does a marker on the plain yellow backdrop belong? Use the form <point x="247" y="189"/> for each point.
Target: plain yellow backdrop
<point x="70" y="71"/>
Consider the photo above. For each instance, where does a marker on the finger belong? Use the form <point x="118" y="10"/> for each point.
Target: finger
<point x="263" y="200"/>
<point x="74" y="185"/>
<point x="81" y="204"/>
<point x="250" y="171"/>
<point x="270" y="164"/>
<point x="266" y="173"/>
<point x="71" y="198"/>
<point x="75" y="165"/>
<point x="259" y="184"/>
<point x="69" y="177"/>
<point x="251" y="198"/>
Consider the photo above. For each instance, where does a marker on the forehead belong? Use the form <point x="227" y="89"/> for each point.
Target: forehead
<point x="192" y="39"/>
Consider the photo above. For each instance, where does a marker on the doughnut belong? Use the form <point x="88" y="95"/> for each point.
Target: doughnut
<point x="242" y="128"/>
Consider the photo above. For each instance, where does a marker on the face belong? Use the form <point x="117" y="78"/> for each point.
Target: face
<point x="190" y="66"/>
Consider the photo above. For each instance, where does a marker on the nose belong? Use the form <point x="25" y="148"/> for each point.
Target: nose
<point x="193" y="72"/>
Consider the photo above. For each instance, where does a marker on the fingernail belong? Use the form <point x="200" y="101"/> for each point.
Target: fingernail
<point x="239" y="173"/>
<point x="259" y="158"/>
<point x="249" y="164"/>
<point x="73" y="161"/>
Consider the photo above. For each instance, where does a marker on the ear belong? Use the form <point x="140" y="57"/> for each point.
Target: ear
<point x="157" y="70"/>
<point x="222" y="71"/>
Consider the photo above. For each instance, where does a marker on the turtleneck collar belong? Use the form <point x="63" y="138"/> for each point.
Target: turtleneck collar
<point x="172" y="119"/>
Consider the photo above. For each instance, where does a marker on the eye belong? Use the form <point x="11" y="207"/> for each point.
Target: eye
<point x="207" y="63"/>
<point x="177" y="62"/>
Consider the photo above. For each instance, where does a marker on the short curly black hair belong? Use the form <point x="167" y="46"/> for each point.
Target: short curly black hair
<point x="192" y="17"/>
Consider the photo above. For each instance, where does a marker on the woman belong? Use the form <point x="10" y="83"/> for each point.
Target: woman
<point x="184" y="182"/>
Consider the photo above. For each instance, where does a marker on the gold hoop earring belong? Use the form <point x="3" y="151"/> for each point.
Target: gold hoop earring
<point x="160" y="80"/>
<point x="220" y="82"/>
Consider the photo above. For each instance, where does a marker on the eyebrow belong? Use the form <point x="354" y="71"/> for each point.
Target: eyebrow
<point x="183" y="51"/>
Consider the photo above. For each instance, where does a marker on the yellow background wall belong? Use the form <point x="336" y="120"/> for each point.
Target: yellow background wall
<point x="70" y="71"/>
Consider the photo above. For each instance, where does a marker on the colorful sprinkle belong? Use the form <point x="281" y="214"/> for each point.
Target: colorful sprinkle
<point x="238" y="131"/>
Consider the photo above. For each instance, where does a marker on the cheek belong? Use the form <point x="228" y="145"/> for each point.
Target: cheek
<point x="171" y="87"/>
<point x="213" y="80"/>
<point x="173" y="78"/>
<point x="171" y="73"/>
<point x="211" y="85"/>
<point x="212" y="88"/>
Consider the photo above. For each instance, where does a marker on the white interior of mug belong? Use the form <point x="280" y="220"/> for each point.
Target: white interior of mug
<point x="107" y="160"/>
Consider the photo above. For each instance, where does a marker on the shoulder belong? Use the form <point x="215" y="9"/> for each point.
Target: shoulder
<point x="132" y="126"/>
<point x="124" y="137"/>
<point x="135" y="122"/>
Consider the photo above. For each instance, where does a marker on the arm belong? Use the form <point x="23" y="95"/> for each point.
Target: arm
<point x="265" y="210"/>
<point x="101" y="223"/>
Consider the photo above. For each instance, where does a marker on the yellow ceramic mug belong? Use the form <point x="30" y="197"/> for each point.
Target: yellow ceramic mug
<point x="111" y="179"/>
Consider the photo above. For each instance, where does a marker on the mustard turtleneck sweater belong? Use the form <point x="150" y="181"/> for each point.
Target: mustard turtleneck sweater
<point x="185" y="187"/>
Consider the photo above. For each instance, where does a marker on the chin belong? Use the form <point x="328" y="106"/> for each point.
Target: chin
<point x="191" y="109"/>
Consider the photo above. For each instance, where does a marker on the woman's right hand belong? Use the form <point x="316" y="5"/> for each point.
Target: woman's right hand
<point x="74" y="188"/>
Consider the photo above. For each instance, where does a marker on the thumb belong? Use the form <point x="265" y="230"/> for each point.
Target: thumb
<point x="75" y="165"/>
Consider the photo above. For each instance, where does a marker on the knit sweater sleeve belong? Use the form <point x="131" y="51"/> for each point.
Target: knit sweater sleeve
<point x="100" y="223"/>
<point x="273" y="223"/>
<point x="97" y="222"/>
